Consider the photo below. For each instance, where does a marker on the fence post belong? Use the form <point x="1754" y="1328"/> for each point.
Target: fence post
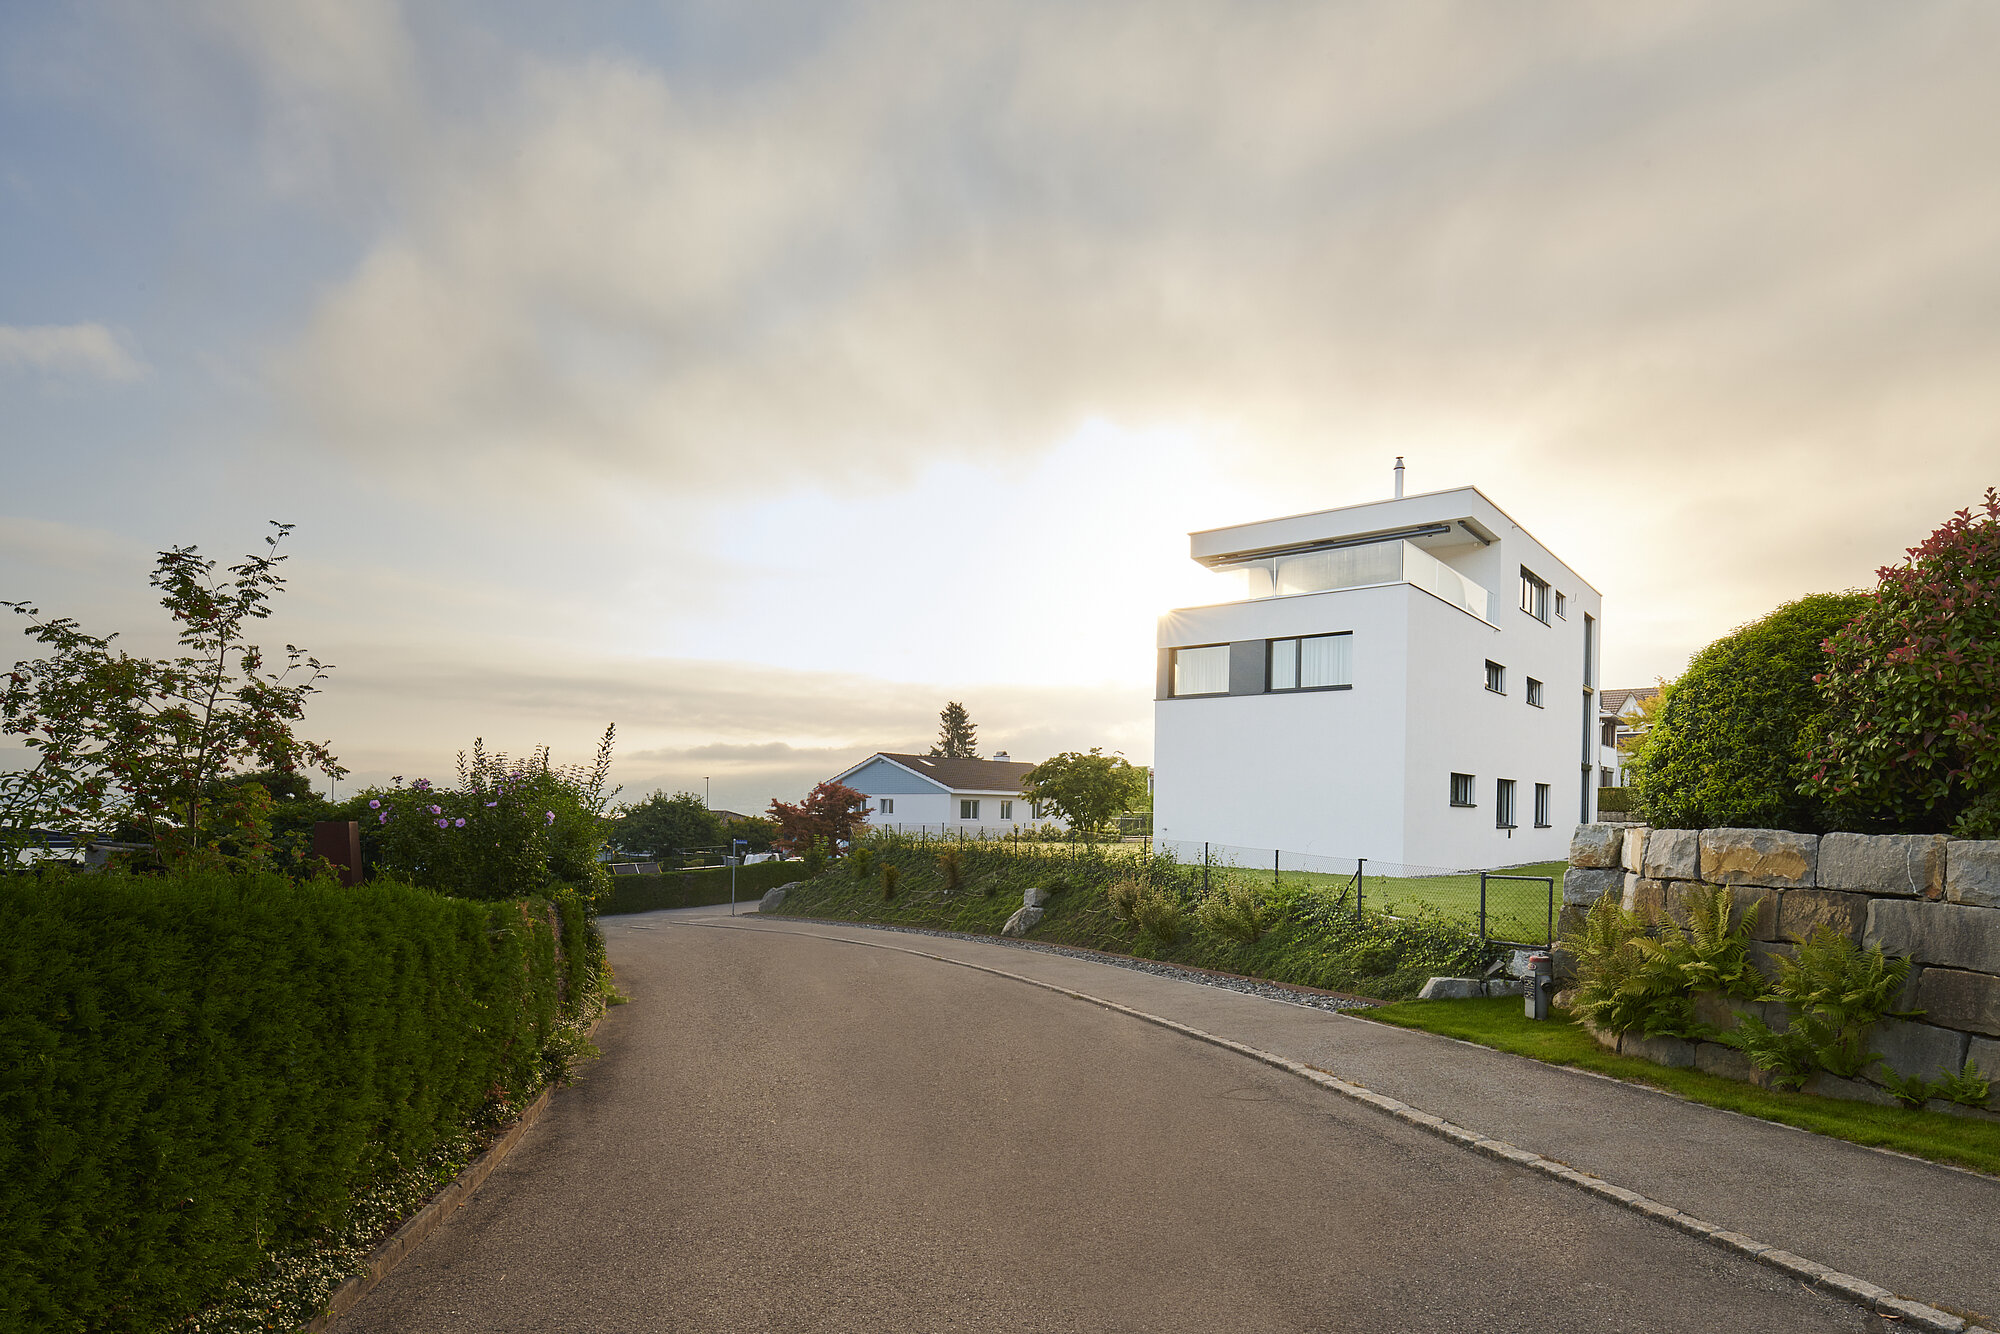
<point x="1204" y="870"/>
<point x="1274" y="868"/>
<point x="1360" y="863"/>
<point x="1482" y="907"/>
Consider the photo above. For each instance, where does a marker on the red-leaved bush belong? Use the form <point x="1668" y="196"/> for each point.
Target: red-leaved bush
<point x="832" y="812"/>
<point x="1912" y="740"/>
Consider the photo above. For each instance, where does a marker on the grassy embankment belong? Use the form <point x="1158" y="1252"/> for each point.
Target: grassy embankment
<point x="1314" y="936"/>
<point x="1500" y="1023"/>
<point x="693" y="889"/>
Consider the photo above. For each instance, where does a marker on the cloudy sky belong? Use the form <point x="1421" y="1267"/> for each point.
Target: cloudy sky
<point x="759" y="376"/>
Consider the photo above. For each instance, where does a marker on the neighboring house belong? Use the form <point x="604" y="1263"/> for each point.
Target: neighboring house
<point x="911" y="792"/>
<point x="1619" y="722"/>
<point x="1410" y="681"/>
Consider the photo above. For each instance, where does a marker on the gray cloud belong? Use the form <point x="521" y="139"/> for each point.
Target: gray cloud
<point x="88" y="350"/>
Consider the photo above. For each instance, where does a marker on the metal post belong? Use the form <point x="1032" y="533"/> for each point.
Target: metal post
<point x="1482" y="907"/>
<point x="1274" y="868"/>
<point x="1552" y="912"/>
<point x="1204" y="869"/>
<point x="1359" y="864"/>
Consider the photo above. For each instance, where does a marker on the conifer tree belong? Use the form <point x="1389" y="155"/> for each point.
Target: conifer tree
<point x="957" y="736"/>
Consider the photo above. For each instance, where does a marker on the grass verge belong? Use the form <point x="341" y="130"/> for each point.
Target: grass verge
<point x="1499" y="1023"/>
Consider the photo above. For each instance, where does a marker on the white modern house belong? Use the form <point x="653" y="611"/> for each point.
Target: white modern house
<point x="912" y="792"/>
<point x="1410" y="681"/>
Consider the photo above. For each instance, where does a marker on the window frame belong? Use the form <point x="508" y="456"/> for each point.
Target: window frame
<point x="1535" y="590"/>
<point x="1496" y="672"/>
<point x="885" y="805"/>
<point x="1503" y="804"/>
<point x="1006" y="810"/>
<point x="1298" y="662"/>
<point x="1544" y="799"/>
<point x="1534" y="695"/>
<point x="1173" y="672"/>
<point x="968" y="808"/>
<point x="1469" y="784"/>
<point x="1562" y="605"/>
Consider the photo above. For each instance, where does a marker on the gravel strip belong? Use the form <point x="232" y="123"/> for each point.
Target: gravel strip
<point x="1249" y="986"/>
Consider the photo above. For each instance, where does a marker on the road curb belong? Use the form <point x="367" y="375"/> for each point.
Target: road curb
<point x="1846" y="1287"/>
<point x="394" y="1248"/>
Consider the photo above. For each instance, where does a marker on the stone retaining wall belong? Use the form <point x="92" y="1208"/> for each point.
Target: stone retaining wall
<point x="1931" y="899"/>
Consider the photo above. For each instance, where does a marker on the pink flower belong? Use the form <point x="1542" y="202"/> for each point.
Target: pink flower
<point x="548" y="817"/>
<point x="383" y="818"/>
<point x="437" y="810"/>
<point x="444" y="824"/>
<point x="461" y="824"/>
<point x="374" y="805"/>
<point x="491" y="804"/>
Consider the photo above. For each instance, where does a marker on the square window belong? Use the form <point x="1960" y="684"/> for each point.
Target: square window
<point x="1534" y="595"/>
<point x="1496" y="678"/>
<point x="1201" y="671"/>
<point x="1006" y="810"/>
<point x="1461" y="790"/>
<point x="888" y="805"/>
<point x="968" y="810"/>
<point x="1541" y="805"/>
<point x="1503" y="803"/>
<point x="1315" y="662"/>
<point x="1534" y="692"/>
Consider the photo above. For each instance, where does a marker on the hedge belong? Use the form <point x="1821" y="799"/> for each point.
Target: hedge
<point x="696" y="888"/>
<point x="1615" y="800"/>
<point x="195" y="1073"/>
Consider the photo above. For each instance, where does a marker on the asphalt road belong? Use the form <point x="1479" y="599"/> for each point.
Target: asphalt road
<point x="794" y="1133"/>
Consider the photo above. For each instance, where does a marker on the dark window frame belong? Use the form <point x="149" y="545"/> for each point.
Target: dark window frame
<point x="1298" y="661"/>
<point x="1535" y="592"/>
<point x="1503" y="804"/>
<point x="968" y="808"/>
<point x="1496" y="672"/>
<point x="1469" y="784"/>
<point x="1173" y="675"/>
<point x="1534" y="695"/>
<point x="1562" y="604"/>
<point x="1544" y="798"/>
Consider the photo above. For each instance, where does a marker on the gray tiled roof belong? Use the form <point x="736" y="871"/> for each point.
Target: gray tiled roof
<point x="967" y="775"/>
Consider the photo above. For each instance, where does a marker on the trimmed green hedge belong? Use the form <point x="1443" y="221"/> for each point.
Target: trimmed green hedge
<point x="1616" y="800"/>
<point x="694" y="889"/>
<point x="195" y="1074"/>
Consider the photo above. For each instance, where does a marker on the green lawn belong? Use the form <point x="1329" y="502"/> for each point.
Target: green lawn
<point x="1500" y="1023"/>
<point x="1515" y="910"/>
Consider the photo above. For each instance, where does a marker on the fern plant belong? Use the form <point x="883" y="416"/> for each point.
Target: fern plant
<point x="1627" y="979"/>
<point x="1968" y="1088"/>
<point x="1715" y="955"/>
<point x="1911" y="1091"/>
<point x="1837" y="990"/>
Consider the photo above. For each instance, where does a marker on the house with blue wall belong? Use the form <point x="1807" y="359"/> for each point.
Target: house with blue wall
<point x="912" y="792"/>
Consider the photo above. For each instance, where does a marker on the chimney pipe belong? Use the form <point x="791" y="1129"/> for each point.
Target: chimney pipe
<point x="1399" y="477"/>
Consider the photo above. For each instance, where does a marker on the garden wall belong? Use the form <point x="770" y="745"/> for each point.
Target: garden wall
<point x="1931" y="899"/>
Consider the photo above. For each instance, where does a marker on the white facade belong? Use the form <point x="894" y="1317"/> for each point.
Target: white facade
<point x="1350" y="750"/>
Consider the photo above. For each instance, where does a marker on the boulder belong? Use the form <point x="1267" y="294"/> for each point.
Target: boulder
<point x="1022" y="922"/>
<point x="1717" y="1059"/>
<point x="1675" y="1052"/>
<point x="1723" y="1013"/>
<point x="1774" y="857"/>
<point x="1451" y="988"/>
<point x="1909" y="865"/>
<point x="1951" y="934"/>
<point x="1584" y="886"/>
<point x="1984" y="1053"/>
<point x="1596" y="845"/>
<point x="773" y="899"/>
<point x="1035" y="898"/>
<point x="1633" y="855"/>
<point x="1972" y="872"/>
<point x="1672" y="854"/>
<point x="1920" y="1051"/>
<point x="1852" y="1090"/>
<point x="1966" y="1001"/>
<point x="1644" y="896"/>
<point x="1765" y="955"/>
<point x="1803" y="911"/>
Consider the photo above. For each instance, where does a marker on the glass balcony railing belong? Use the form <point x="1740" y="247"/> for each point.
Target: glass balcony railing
<point x="1357" y="567"/>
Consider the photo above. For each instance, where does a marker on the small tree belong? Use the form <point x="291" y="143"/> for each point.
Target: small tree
<point x="664" y="826"/>
<point x="1732" y="734"/>
<point x="754" y="830"/>
<point x="143" y="741"/>
<point x="1088" y="789"/>
<point x="832" y="812"/>
<point x="957" y="737"/>
<point x="1912" y="692"/>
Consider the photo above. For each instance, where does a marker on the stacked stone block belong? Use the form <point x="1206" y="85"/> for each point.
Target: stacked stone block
<point x="1931" y="899"/>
